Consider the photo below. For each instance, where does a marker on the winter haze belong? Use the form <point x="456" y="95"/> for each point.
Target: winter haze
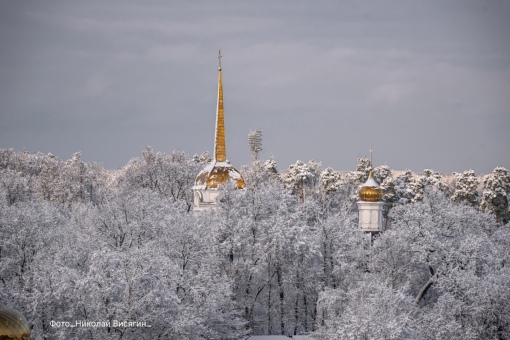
<point x="427" y="83"/>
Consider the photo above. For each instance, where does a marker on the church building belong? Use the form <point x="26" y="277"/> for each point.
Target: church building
<point x="219" y="171"/>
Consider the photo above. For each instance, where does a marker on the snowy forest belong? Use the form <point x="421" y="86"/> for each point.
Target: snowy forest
<point x="283" y="256"/>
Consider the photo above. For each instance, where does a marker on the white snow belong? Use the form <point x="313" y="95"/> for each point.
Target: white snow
<point x="371" y="182"/>
<point x="277" y="337"/>
<point x="212" y="169"/>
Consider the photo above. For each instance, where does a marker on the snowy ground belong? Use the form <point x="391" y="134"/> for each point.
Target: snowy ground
<point x="277" y="337"/>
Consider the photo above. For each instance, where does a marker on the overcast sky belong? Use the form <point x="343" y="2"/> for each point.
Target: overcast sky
<point x="426" y="82"/>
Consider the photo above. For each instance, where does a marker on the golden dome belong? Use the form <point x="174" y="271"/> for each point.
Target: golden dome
<point x="13" y="325"/>
<point x="217" y="173"/>
<point x="370" y="191"/>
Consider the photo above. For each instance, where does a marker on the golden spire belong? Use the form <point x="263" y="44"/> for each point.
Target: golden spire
<point x="218" y="171"/>
<point x="220" y="152"/>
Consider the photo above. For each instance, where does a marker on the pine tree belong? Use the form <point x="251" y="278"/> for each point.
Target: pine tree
<point x="297" y="177"/>
<point x="330" y="180"/>
<point x="466" y="188"/>
<point x="495" y="194"/>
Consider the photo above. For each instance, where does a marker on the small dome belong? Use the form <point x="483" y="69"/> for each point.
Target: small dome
<point x="217" y="173"/>
<point x="13" y="326"/>
<point x="370" y="191"/>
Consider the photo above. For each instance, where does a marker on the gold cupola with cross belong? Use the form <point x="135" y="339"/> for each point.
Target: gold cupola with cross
<point x="219" y="171"/>
<point x="370" y="191"/>
<point x="370" y="205"/>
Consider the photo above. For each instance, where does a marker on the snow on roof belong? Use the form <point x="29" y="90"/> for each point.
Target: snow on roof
<point x="371" y="182"/>
<point x="216" y="173"/>
<point x="224" y="164"/>
<point x="278" y="337"/>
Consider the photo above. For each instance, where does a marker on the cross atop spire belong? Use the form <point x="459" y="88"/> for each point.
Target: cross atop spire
<point x="219" y="60"/>
<point x="371" y="151"/>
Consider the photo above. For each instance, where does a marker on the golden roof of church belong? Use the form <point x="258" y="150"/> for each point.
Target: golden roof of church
<point x="216" y="173"/>
<point x="219" y="170"/>
<point x="13" y="325"/>
<point x="370" y="191"/>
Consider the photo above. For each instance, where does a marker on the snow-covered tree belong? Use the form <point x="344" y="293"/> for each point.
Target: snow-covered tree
<point x="330" y="180"/>
<point x="362" y="171"/>
<point x="466" y="188"/>
<point x="368" y="310"/>
<point x="170" y="175"/>
<point x="27" y="234"/>
<point x="495" y="194"/>
<point x="204" y="158"/>
<point x="258" y="174"/>
<point x="271" y="166"/>
<point x="440" y="264"/>
<point x="430" y="179"/>
<point x="381" y="173"/>
<point x="403" y="186"/>
<point x="261" y="263"/>
<point x="299" y="176"/>
<point x="14" y="187"/>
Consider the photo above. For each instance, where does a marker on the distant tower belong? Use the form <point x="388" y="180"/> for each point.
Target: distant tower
<point x="255" y="144"/>
<point x="219" y="170"/>
<point x="370" y="206"/>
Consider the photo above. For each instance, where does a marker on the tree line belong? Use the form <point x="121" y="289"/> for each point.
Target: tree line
<point x="283" y="256"/>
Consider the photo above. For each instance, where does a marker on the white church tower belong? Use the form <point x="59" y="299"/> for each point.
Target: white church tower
<point x="219" y="171"/>
<point x="370" y="206"/>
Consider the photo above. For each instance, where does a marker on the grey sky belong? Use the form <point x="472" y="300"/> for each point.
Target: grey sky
<point x="426" y="82"/>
